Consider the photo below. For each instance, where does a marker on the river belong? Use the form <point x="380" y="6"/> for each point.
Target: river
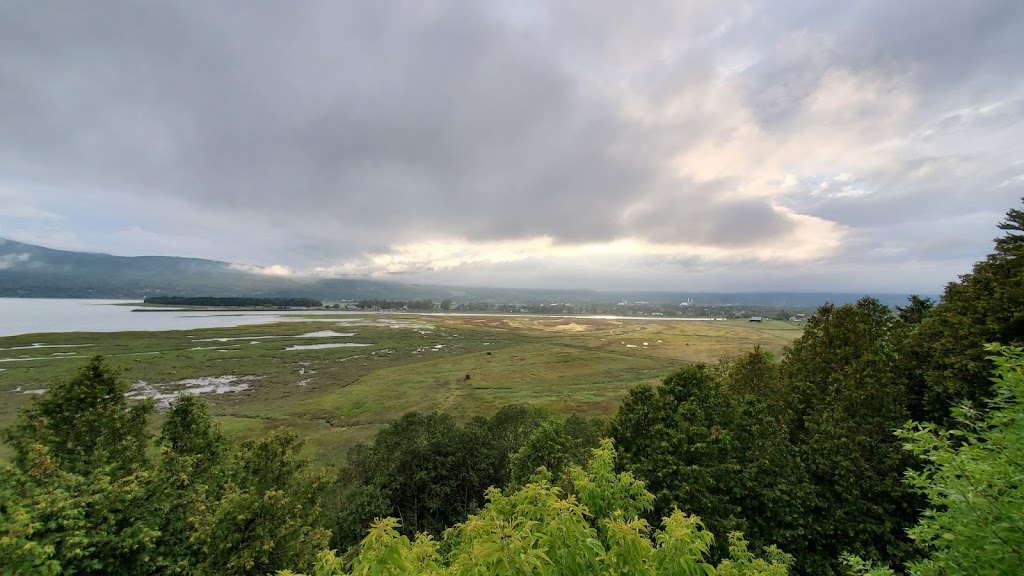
<point x="45" y="315"/>
<point x="42" y="315"/>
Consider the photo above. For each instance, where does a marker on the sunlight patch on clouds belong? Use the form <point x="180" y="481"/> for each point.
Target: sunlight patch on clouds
<point x="834" y="128"/>
<point x="809" y="238"/>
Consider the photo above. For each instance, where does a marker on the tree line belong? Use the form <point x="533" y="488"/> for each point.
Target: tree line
<point x="381" y="304"/>
<point x="759" y="465"/>
<point x="237" y="302"/>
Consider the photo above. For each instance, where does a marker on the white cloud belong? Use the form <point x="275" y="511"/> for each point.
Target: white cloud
<point x="809" y="238"/>
<point x="272" y="270"/>
<point x="11" y="260"/>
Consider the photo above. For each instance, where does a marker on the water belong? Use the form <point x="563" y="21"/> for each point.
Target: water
<point x="42" y="315"/>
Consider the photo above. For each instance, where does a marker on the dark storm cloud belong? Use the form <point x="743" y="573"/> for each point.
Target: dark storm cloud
<point x="317" y="131"/>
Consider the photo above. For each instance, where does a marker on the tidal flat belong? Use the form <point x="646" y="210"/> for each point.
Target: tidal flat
<point x="336" y="380"/>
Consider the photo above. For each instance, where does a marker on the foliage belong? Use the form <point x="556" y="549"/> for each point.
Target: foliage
<point x="80" y="499"/>
<point x="266" y="517"/>
<point x="537" y="530"/>
<point x="432" y="472"/>
<point x="85" y="423"/>
<point x="974" y="481"/>
<point x="429" y="470"/>
<point x="846" y="397"/>
<point x="677" y="438"/>
<point x="188" y="431"/>
<point x="799" y="453"/>
<point x="947" y="363"/>
<point x="706" y="442"/>
<point x="554" y="445"/>
<point x="58" y="522"/>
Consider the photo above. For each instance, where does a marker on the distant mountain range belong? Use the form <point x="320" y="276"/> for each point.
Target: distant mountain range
<point x="30" y="271"/>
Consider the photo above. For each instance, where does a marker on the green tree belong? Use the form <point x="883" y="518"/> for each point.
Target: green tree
<point x="85" y="423"/>
<point x="916" y="311"/>
<point x="428" y="470"/>
<point x="188" y="431"/>
<point x="1013" y="240"/>
<point x="947" y="365"/>
<point x="186" y="480"/>
<point x="845" y="399"/>
<point x="424" y="468"/>
<point x="80" y="499"/>
<point x="773" y="486"/>
<point x="678" y="438"/>
<point x="58" y="522"/>
<point x="707" y="442"/>
<point x="554" y="445"/>
<point x="972" y="480"/>
<point x="267" y="516"/>
<point x="536" y="530"/>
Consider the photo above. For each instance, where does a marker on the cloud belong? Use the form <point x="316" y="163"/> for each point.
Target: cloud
<point x="8" y="261"/>
<point x="16" y="205"/>
<point x="273" y="270"/>
<point x="445" y="139"/>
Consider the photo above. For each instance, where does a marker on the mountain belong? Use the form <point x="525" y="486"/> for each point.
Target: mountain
<point x="36" y="272"/>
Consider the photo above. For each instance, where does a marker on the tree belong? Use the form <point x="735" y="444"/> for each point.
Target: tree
<point x="916" y="311"/>
<point x="266" y="516"/>
<point x="678" y="438"/>
<point x="81" y="497"/>
<point x="85" y="423"/>
<point x="185" y="484"/>
<point x="535" y="530"/>
<point x="423" y="467"/>
<point x="846" y="398"/>
<point x="948" y="364"/>
<point x="429" y="471"/>
<point x="57" y="522"/>
<point x="554" y="445"/>
<point x="972" y="480"/>
<point x="1013" y="240"/>
<point x="707" y="443"/>
<point x="189" y="431"/>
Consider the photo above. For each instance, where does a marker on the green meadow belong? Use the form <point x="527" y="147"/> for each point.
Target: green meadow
<point x="336" y="380"/>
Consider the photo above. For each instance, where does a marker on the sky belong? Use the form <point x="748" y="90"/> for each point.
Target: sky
<point x="662" y="145"/>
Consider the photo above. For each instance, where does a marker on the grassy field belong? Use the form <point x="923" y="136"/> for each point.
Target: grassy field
<point x="336" y="380"/>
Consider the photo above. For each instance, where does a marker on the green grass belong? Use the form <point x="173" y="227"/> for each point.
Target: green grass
<point x="338" y="396"/>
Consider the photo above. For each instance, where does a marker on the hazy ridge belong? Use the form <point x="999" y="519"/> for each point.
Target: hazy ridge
<point x="29" y="271"/>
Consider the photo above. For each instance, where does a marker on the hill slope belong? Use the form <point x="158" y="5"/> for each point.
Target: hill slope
<point x="31" y="271"/>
